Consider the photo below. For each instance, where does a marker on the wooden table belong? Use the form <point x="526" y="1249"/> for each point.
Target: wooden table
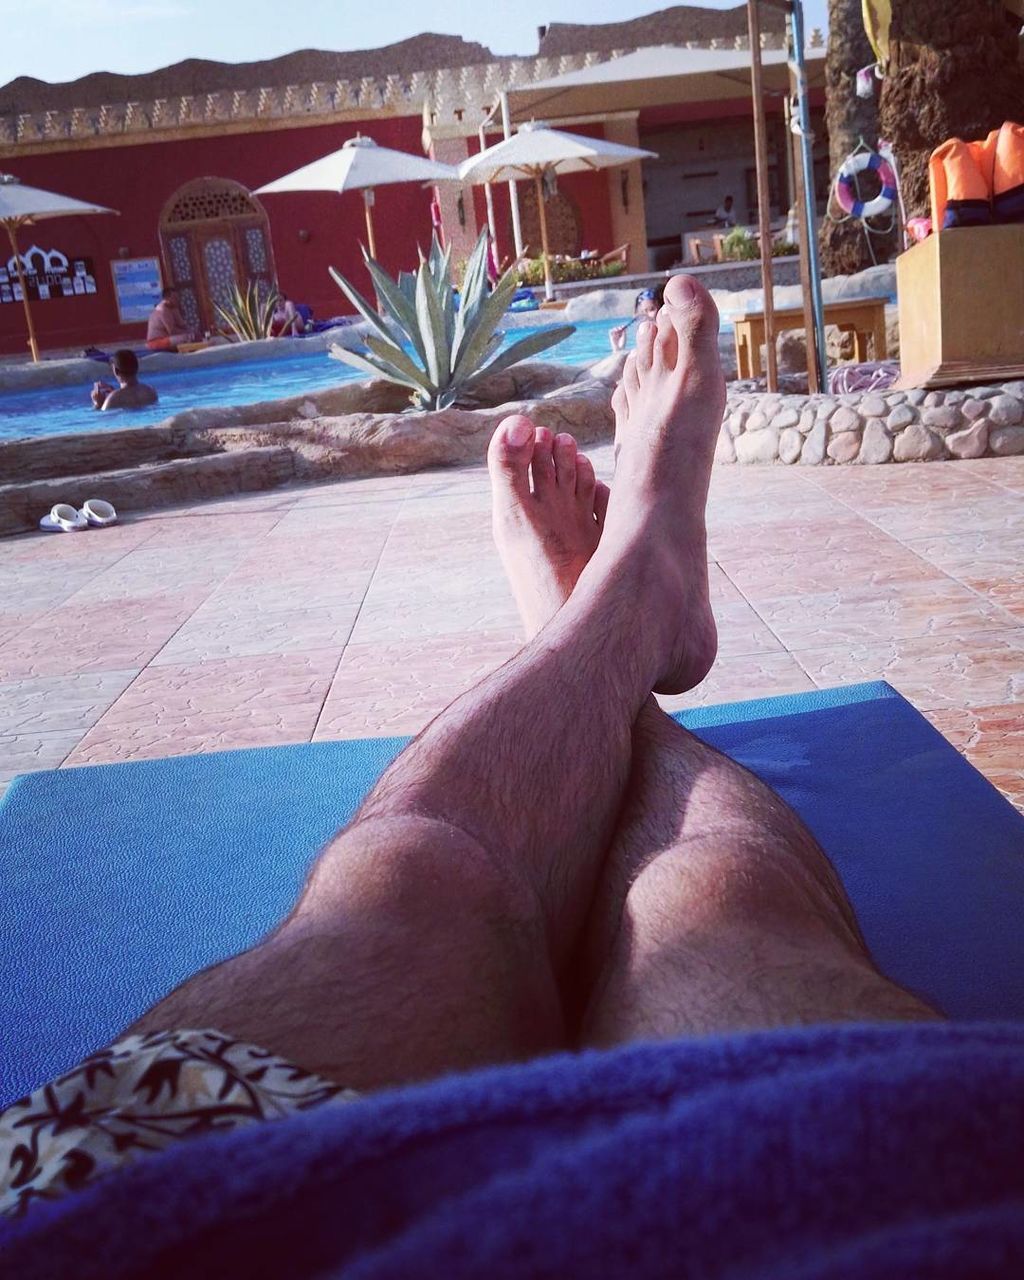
<point x="863" y="317"/>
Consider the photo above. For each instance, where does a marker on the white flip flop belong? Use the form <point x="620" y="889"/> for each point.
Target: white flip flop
<point x="63" y="518"/>
<point x="99" y="512"/>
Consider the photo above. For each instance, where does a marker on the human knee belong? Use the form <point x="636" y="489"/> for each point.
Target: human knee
<point x="419" y="869"/>
<point x="751" y="885"/>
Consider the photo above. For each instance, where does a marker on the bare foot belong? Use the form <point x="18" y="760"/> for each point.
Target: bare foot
<point x="545" y="533"/>
<point x="668" y="412"/>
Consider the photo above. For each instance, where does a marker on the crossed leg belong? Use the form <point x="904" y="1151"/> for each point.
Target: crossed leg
<point x="439" y="931"/>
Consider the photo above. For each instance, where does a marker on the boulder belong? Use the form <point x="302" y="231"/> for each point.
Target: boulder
<point x="902" y="416"/>
<point x="969" y="443"/>
<point x="1004" y="441"/>
<point x="917" y="444"/>
<point x="790" y="444"/>
<point x="759" y="446"/>
<point x="844" y="447"/>
<point x="844" y="419"/>
<point x="876" y="446"/>
<point x="1006" y="411"/>
<point x="813" y="452"/>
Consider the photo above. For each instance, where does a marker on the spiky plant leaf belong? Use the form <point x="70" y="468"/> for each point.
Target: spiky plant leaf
<point x="487" y="320"/>
<point x="432" y="327"/>
<point x="372" y="365"/>
<point x="400" y="308"/>
<point x="400" y="360"/>
<point x="360" y="304"/>
<point x="523" y="349"/>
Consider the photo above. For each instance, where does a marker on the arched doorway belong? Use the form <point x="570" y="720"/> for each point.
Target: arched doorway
<point x="215" y="235"/>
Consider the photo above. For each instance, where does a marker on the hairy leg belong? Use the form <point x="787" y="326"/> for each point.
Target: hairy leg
<point x="716" y="908"/>
<point x="718" y="911"/>
<point x="434" y="931"/>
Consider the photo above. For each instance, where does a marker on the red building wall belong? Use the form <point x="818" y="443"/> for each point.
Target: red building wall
<point x="138" y="180"/>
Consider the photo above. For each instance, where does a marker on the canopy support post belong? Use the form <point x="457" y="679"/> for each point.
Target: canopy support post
<point x="513" y="193"/>
<point x="538" y="184"/>
<point x="33" y="344"/>
<point x="371" y="240"/>
<point x="763" y="193"/>
<point x="816" y="348"/>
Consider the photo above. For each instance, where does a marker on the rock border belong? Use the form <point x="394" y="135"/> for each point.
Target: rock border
<point x="874" y="427"/>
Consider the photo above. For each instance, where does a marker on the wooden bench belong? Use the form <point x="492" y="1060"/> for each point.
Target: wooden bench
<point x="863" y="317"/>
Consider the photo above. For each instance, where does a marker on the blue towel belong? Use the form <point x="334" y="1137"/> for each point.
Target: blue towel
<point x="121" y="881"/>
<point x="867" y="1152"/>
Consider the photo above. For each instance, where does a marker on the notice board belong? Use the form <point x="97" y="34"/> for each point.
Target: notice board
<point x="137" y="287"/>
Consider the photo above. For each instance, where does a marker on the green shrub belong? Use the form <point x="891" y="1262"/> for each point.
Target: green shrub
<point x="567" y="271"/>
<point x="249" y="315"/>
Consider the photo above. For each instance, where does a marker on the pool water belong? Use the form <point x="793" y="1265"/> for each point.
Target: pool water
<point x="55" y="410"/>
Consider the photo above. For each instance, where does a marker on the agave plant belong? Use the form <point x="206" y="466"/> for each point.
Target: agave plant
<point x="249" y="315"/>
<point x="441" y="352"/>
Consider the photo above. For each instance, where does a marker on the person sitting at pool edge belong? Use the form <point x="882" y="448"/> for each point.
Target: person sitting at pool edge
<point x="167" y="329"/>
<point x="645" y="307"/>
<point x="129" y="393"/>
<point x="287" y="319"/>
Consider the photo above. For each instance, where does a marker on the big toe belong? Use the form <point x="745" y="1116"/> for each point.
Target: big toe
<point x="509" y="455"/>
<point x="693" y="315"/>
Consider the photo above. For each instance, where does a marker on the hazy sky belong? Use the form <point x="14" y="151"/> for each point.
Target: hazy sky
<point x="63" y="39"/>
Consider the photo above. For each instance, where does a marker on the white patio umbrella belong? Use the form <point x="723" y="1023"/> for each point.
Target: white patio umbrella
<point x="537" y="149"/>
<point x="21" y="205"/>
<point x="361" y="165"/>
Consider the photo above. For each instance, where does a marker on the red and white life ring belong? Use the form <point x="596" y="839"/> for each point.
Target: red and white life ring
<point x="846" y="187"/>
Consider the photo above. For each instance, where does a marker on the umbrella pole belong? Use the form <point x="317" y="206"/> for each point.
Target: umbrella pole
<point x="371" y="241"/>
<point x="538" y="186"/>
<point x="763" y="196"/>
<point x="33" y="344"/>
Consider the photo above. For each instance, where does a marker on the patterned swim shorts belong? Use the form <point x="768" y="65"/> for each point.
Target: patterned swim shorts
<point x="140" y="1095"/>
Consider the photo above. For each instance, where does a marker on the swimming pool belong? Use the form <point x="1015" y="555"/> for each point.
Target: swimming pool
<point x="55" y="410"/>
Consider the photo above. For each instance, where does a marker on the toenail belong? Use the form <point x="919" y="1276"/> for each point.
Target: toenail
<point x="688" y="288"/>
<point x="519" y="432"/>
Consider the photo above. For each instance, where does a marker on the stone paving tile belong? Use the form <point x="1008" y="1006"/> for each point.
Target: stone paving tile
<point x="819" y="536"/>
<point x="186" y="528"/>
<point x="934" y="672"/>
<point x="303" y="558"/>
<point x="875" y="562"/>
<point x="398" y="687"/>
<point x="212" y="706"/>
<point x="735" y="679"/>
<point x="27" y="752"/>
<point x="270" y="728"/>
<point x="989" y="563"/>
<point x="401" y="608"/>
<point x="906" y="520"/>
<point x="1007" y="473"/>
<point x="160" y="572"/>
<point x="992" y="739"/>
<point x="237" y="632"/>
<point x="860" y="614"/>
<point x="95" y="637"/>
<point x="89" y="546"/>
<point x="52" y="703"/>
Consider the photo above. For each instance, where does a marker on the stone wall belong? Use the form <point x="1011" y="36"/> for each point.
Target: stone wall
<point x="876" y="427"/>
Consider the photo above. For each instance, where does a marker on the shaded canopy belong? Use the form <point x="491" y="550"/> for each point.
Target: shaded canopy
<point x="20" y="203"/>
<point x="663" y="75"/>
<point x="359" y="164"/>
<point x="536" y="148"/>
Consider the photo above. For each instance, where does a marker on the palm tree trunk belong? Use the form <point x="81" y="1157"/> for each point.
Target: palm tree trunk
<point x="844" y="245"/>
<point x="954" y="72"/>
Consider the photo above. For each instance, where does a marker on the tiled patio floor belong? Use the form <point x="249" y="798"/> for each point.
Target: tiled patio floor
<point x="361" y="608"/>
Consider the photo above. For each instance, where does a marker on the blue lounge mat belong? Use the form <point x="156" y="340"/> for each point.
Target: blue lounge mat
<point x="121" y="881"/>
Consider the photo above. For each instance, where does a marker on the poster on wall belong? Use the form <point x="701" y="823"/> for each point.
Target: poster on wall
<point x="49" y="273"/>
<point x="137" y="287"/>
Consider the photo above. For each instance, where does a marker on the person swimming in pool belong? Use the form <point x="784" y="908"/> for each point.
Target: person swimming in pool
<point x="645" y="307"/>
<point x="129" y="393"/>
